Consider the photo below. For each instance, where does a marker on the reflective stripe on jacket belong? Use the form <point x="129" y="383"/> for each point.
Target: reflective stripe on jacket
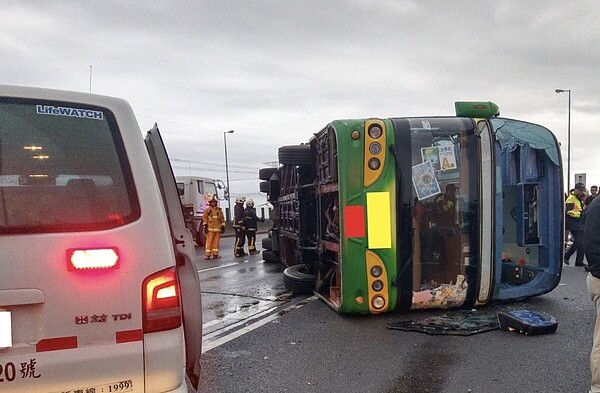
<point x="213" y="218"/>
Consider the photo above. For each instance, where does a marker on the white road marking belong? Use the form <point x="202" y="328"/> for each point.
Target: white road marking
<point x="209" y="324"/>
<point x="223" y="266"/>
<point x="208" y="343"/>
<point x="250" y="313"/>
<point x="233" y="325"/>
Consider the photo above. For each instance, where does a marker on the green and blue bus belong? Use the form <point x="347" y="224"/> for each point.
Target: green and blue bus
<point x="379" y="215"/>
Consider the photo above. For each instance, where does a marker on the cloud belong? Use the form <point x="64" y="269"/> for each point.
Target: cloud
<point x="276" y="72"/>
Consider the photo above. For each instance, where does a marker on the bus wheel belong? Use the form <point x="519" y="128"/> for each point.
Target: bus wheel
<point x="295" y="155"/>
<point x="298" y="281"/>
<point x="266" y="173"/>
<point x="269" y="256"/>
<point x="264" y="186"/>
<point x="267" y="243"/>
<point x="200" y="238"/>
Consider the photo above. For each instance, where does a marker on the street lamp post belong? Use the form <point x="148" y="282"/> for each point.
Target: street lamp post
<point x="227" y="173"/>
<point x="558" y="91"/>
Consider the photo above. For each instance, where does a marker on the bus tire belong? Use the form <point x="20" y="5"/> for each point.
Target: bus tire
<point x="200" y="238"/>
<point x="295" y="155"/>
<point x="266" y="173"/>
<point x="270" y="257"/>
<point x="264" y="186"/>
<point x="267" y="243"/>
<point x="298" y="281"/>
<point x="274" y="214"/>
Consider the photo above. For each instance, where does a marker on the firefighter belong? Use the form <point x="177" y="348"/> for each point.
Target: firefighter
<point x="214" y="226"/>
<point x="251" y="220"/>
<point x="446" y="208"/>
<point x="239" y="226"/>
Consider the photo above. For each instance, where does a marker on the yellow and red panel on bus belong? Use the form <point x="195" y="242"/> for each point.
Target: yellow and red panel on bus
<point x="367" y="203"/>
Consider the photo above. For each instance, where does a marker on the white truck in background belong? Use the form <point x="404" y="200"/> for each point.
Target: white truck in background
<point x="194" y="192"/>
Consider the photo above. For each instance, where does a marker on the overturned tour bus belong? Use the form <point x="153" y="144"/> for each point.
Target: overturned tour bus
<point x="377" y="215"/>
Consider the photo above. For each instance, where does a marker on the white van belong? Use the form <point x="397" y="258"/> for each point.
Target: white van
<point x="98" y="286"/>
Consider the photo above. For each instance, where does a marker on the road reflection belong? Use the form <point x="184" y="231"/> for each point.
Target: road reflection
<point x="237" y="292"/>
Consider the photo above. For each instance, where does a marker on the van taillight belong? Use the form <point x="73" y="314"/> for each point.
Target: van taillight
<point x="160" y="296"/>
<point x="95" y="258"/>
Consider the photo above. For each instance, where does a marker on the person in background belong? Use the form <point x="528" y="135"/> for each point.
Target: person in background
<point x="251" y="220"/>
<point x="214" y="226"/>
<point x="591" y="245"/>
<point x="446" y="208"/>
<point x="590" y="198"/>
<point x="239" y="226"/>
<point x="574" y="223"/>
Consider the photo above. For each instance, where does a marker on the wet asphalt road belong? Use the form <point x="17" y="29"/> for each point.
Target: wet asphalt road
<point x="237" y="289"/>
<point x="310" y="348"/>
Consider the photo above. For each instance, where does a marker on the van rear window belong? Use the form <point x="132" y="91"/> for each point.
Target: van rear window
<point x="63" y="168"/>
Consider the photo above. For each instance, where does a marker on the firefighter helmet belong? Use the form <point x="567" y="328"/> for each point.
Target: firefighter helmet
<point x="240" y="199"/>
<point x="213" y="198"/>
<point x="249" y="203"/>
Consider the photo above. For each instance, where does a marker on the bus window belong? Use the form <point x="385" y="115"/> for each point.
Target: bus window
<point x="444" y="216"/>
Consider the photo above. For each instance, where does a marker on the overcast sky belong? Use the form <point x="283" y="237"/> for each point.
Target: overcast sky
<point x="278" y="71"/>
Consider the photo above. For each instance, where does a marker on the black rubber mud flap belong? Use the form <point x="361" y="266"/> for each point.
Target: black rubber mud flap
<point x="267" y="243"/>
<point x="298" y="281"/>
<point x="269" y="256"/>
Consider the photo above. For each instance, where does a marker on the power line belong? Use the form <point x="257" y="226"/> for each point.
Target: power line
<point x="207" y="163"/>
<point x="212" y="170"/>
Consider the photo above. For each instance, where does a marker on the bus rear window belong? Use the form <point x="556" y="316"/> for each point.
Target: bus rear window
<point x="63" y="167"/>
